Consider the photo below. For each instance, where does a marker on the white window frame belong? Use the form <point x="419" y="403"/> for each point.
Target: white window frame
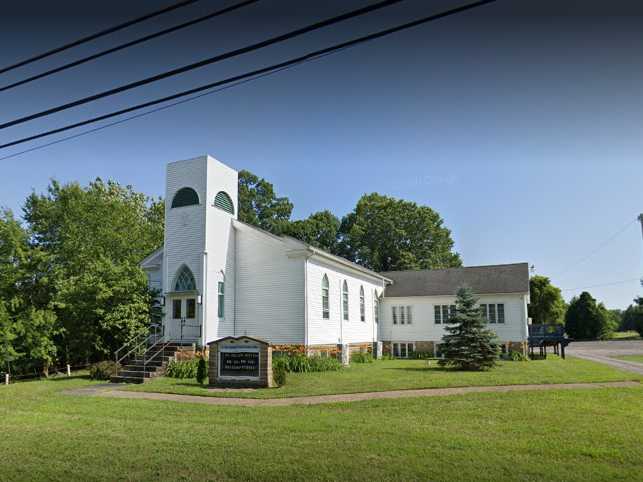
<point x="221" y="300"/>
<point x="345" y="301"/>
<point x="409" y="317"/>
<point x="394" y="314"/>
<point x="406" y="345"/>
<point x="376" y="307"/>
<point x="325" y="288"/>
<point x="402" y="315"/>
<point x="362" y="304"/>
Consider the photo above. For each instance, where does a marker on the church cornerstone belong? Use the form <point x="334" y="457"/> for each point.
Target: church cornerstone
<point x="239" y="362"/>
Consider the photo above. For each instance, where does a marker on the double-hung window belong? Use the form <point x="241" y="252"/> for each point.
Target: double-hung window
<point x="362" y="304"/>
<point x="394" y="314"/>
<point x="221" y="299"/>
<point x="493" y="312"/>
<point x="376" y="307"/>
<point x="442" y="313"/>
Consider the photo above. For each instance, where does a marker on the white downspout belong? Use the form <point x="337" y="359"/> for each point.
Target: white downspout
<point x="204" y="312"/>
<point x="306" y="329"/>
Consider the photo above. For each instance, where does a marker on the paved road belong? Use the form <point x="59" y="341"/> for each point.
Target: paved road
<point x="607" y="352"/>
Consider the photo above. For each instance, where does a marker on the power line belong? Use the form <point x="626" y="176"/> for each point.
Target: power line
<point x="126" y="45"/>
<point x="96" y="35"/>
<point x="602" y="284"/>
<point x="600" y="246"/>
<point x="258" y="72"/>
<point x="204" y="62"/>
<point x="151" y="111"/>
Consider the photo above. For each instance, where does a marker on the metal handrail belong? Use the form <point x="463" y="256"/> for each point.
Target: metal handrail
<point x="146" y="341"/>
<point x="146" y="360"/>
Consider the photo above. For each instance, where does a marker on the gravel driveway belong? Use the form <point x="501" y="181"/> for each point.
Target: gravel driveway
<point x="607" y="352"/>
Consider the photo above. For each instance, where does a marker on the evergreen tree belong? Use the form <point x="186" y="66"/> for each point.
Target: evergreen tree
<point x="468" y="345"/>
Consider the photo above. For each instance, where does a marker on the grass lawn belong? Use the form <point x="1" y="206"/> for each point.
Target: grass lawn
<point x="633" y="358"/>
<point x="405" y="374"/>
<point x="556" y="435"/>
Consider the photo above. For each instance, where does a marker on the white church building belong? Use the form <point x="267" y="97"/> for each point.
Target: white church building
<point x="221" y="277"/>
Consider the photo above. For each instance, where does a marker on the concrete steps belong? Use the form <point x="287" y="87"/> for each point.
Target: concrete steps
<point x="135" y="370"/>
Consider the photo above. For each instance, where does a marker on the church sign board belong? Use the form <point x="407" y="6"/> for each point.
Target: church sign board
<point x="240" y="362"/>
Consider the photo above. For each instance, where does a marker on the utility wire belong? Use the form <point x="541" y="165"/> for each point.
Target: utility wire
<point x="126" y="45"/>
<point x="598" y="248"/>
<point x="602" y="284"/>
<point x="96" y="35"/>
<point x="258" y="72"/>
<point x="204" y="62"/>
<point x="152" y="111"/>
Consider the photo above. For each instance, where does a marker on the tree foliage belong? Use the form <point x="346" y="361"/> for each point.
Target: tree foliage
<point x="260" y="206"/>
<point x="546" y="301"/>
<point x="468" y="344"/>
<point x="70" y="282"/>
<point x="586" y="319"/>
<point x="632" y="317"/>
<point x="320" y="229"/>
<point x="386" y="234"/>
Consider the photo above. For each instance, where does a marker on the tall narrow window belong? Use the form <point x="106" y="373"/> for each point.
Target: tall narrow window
<point x="325" y="303"/>
<point x="190" y="308"/>
<point x="437" y="314"/>
<point x="401" y="315"/>
<point x="394" y="313"/>
<point x="345" y="300"/>
<point x="176" y="309"/>
<point x="362" y="304"/>
<point x="221" y="299"/>
<point x="483" y="311"/>
<point x="445" y="313"/>
<point x="501" y="313"/>
<point x="409" y="318"/>
<point x="492" y="313"/>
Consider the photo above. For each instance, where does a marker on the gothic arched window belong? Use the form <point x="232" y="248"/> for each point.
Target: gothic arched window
<point x="184" y="280"/>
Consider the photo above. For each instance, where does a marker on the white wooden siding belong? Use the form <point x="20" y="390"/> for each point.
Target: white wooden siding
<point x="424" y="328"/>
<point x="335" y="330"/>
<point x="270" y="288"/>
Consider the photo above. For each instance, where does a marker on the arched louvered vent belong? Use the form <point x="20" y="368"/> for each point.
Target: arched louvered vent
<point x="223" y="201"/>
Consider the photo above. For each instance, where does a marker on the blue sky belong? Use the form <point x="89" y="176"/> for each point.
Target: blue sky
<point x="520" y="124"/>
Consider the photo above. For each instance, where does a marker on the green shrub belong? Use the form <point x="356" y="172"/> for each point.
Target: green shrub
<point x="361" y="358"/>
<point x="324" y="364"/>
<point x="513" y="356"/>
<point x="279" y="370"/>
<point x="517" y="356"/>
<point x="182" y="368"/>
<point x="103" y="370"/>
<point x="202" y="370"/>
<point x="298" y="363"/>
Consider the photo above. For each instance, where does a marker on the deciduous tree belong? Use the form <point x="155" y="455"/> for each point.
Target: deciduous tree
<point x="260" y="206"/>
<point x="385" y="234"/>
<point x="546" y="301"/>
<point x="320" y="229"/>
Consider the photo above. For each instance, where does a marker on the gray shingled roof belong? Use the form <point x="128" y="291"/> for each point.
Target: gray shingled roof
<point x="501" y="278"/>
